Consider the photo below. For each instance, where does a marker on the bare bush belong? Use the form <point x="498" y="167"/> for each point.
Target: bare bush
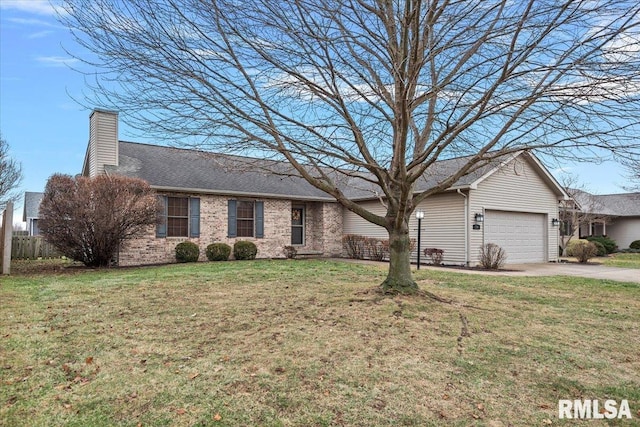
<point x="88" y="218"/>
<point x="583" y="250"/>
<point x="435" y="254"/>
<point x="354" y="245"/>
<point x="290" y="251"/>
<point x="376" y="249"/>
<point x="492" y="256"/>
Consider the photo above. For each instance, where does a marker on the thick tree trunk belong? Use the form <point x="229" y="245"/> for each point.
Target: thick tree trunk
<point x="399" y="278"/>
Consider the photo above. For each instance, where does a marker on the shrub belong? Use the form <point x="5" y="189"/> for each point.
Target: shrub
<point x="187" y="252"/>
<point x="582" y="249"/>
<point x="492" y="256"/>
<point x="361" y="247"/>
<point x="635" y="244"/>
<point x="600" y="249"/>
<point x="609" y="244"/>
<point x="376" y="249"/>
<point x="87" y="219"/>
<point x="435" y="254"/>
<point x="354" y="245"/>
<point x="218" y="252"/>
<point x="244" y="250"/>
<point x="290" y="252"/>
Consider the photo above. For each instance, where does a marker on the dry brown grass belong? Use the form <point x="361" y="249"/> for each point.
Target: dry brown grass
<point x="309" y="343"/>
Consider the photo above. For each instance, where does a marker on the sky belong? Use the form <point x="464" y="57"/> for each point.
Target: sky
<point x="47" y="129"/>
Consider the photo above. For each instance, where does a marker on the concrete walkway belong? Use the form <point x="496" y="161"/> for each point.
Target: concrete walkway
<point x="593" y="271"/>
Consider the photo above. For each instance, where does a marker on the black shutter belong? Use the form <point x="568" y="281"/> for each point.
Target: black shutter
<point x="232" y="223"/>
<point x="194" y="217"/>
<point x="161" y="226"/>
<point x="259" y="206"/>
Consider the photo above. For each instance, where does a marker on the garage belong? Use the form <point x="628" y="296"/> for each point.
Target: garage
<point x="521" y="234"/>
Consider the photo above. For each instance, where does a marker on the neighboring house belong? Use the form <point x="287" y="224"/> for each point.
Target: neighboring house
<point x="221" y="198"/>
<point x="615" y="215"/>
<point x="31" y="212"/>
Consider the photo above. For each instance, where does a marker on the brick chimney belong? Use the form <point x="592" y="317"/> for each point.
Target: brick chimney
<point x="103" y="142"/>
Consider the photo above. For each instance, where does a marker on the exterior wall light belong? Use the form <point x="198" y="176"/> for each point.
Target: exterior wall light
<point x="479" y="217"/>
<point x="555" y="222"/>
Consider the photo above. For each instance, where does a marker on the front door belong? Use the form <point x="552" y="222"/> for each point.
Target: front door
<point x="297" y="225"/>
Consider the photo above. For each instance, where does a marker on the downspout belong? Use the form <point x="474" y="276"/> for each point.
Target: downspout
<point x="466" y="227"/>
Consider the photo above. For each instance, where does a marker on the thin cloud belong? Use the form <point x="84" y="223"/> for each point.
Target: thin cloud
<point x="40" y="34"/>
<point x="33" y="22"/>
<point x="40" y="7"/>
<point x="56" y="61"/>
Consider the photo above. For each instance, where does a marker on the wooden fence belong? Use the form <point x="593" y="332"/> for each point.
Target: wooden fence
<point x="32" y="247"/>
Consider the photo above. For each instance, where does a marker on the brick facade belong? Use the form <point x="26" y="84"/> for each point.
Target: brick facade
<point x="323" y="231"/>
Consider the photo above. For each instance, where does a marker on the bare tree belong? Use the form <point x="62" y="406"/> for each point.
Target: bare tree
<point x="581" y="209"/>
<point x="633" y="176"/>
<point x="378" y="90"/>
<point x="10" y="175"/>
<point x="88" y="218"/>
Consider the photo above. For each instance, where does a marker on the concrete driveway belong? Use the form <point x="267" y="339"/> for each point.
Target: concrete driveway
<point x="592" y="271"/>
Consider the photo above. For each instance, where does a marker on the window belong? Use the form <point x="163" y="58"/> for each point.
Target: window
<point x="297" y="226"/>
<point x="177" y="217"/>
<point x="246" y="218"/>
<point x="180" y="217"/>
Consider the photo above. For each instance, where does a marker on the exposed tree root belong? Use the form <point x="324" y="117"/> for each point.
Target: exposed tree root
<point x="464" y="332"/>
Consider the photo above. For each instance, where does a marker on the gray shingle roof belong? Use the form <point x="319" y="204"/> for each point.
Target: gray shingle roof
<point x="31" y="205"/>
<point x="192" y="170"/>
<point x="624" y="204"/>
<point x="198" y="171"/>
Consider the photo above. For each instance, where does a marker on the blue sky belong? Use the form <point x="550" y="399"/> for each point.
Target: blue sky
<point x="47" y="130"/>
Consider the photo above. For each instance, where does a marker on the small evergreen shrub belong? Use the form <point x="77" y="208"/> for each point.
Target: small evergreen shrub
<point x="582" y="249"/>
<point x="601" y="250"/>
<point x="187" y="252"/>
<point x="244" y="250"/>
<point x="218" y="252"/>
<point x="635" y="244"/>
<point x="492" y="256"/>
<point x="608" y="243"/>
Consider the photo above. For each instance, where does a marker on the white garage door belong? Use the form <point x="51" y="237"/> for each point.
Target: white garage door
<point x="521" y="235"/>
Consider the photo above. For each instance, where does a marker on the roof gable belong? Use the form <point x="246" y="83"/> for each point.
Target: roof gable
<point x="540" y="169"/>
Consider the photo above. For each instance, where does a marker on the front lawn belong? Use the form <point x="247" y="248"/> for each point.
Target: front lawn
<point x="309" y="343"/>
<point x="623" y="260"/>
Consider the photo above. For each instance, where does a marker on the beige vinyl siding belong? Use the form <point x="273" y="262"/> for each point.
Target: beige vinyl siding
<point x="103" y="141"/>
<point x="442" y="226"/>
<point x="624" y="230"/>
<point x="516" y="187"/>
<point x="355" y="224"/>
